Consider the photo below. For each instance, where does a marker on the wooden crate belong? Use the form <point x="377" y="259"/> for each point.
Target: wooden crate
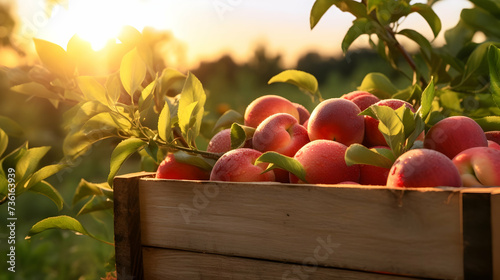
<point x="174" y="229"/>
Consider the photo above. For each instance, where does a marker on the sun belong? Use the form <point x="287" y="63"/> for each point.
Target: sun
<point x="98" y="21"/>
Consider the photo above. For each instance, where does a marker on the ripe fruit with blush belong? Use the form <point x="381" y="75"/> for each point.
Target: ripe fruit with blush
<point x="280" y="133"/>
<point x="170" y="168"/>
<point x="324" y="163"/>
<point x="238" y="166"/>
<point x="303" y="113"/>
<point x="336" y="119"/>
<point x="268" y="105"/>
<point x="455" y="134"/>
<point x="479" y="166"/>
<point x="363" y="99"/>
<point x="421" y="168"/>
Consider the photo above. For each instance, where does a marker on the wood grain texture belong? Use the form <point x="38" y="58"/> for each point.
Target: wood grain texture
<point x="495" y="232"/>
<point x="410" y="232"/>
<point x="164" y="264"/>
<point x="128" y="248"/>
<point x="477" y="233"/>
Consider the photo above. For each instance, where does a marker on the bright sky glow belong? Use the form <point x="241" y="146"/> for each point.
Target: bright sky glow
<point x="209" y="28"/>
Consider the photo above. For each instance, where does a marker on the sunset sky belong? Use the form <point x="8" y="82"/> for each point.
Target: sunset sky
<point x="208" y="28"/>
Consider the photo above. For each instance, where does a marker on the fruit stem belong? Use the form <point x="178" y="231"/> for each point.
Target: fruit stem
<point x="406" y="55"/>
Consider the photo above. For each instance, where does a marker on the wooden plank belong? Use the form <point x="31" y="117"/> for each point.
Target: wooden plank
<point x="410" y="232"/>
<point x="127" y="226"/>
<point x="164" y="264"/>
<point x="477" y="234"/>
<point x="495" y="232"/>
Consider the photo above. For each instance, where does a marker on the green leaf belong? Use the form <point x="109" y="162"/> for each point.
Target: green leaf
<point x="458" y="36"/>
<point x="481" y="20"/>
<point x="227" y="119"/>
<point x="55" y="58"/>
<point x="113" y="88"/>
<point x="147" y="94"/>
<point x="494" y="65"/>
<point x="450" y="100"/>
<point x="390" y="125"/>
<point x="490" y="123"/>
<point x="46" y="189"/>
<point x="132" y="71"/>
<point x="427" y="98"/>
<point x="86" y="189"/>
<point x="11" y="127"/>
<point x="359" y="27"/>
<point x="301" y="79"/>
<point x="238" y="136"/>
<point x="92" y="89"/>
<point x="75" y="144"/>
<point x="277" y="160"/>
<point x="37" y="90"/>
<point x="44" y="173"/>
<point x="195" y="160"/>
<point x="477" y="62"/>
<point x="379" y="85"/>
<point x="168" y="78"/>
<point x="164" y="123"/>
<point x="359" y="154"/>
<point x="4" y="142"/>
<point x="28" y="163"/>
<point x="121" y="153"/>
<point x="321" y="6"/>
<point x="424" y="44"/>
<point x="191" y="107"/>
<point x="60" y="222"/>
<point x="429" y="15"/>
<point x="96" y="203"/>
<point x="492" y="6"/>
<point x="106" y="121"/>
<point x="418" y="129"/>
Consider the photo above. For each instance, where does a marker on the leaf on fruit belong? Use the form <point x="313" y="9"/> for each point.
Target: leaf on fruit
<point x="379" y="85"/>
<point x="195" y="160"/>
<point x="60" y="222"/>
<point x="390" y="125"/>
<point x="164" y="123"/>
<point x="121" y="153"/>
<point x="55" y="58"/>
<point x="417" y="130"/>
<point x="132" y="71"/>
<point x="321" y="6"/>
<point x="92" y="89"/>
<point x="426" y="100"/>
<point x="191" y="108"/>
<point x="227" y="119"/>
<point x="46" y="189"/>
<point x="494" y="65"/>
<point x="429" y="15"/>
<point x="301" y="79"/>
<point x="277" y="160"/>
<point x="238" y="136"/>
<point x="359" y="154"/>
<point x="359" y="27"/>
<point x="86" y="189"/>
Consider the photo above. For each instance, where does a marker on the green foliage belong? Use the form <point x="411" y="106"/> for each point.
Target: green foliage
<point x="61" y="222"/>
<point x="304" y="81"/>
<point x="277" y="160"/>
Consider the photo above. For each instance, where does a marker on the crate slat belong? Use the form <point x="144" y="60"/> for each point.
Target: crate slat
<point x="410" y="232"/>
<point x="128" y="250"/>
<point x="165" y="264"/>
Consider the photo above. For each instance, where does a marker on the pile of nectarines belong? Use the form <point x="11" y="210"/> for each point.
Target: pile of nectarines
<point x="456" y="151"/>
